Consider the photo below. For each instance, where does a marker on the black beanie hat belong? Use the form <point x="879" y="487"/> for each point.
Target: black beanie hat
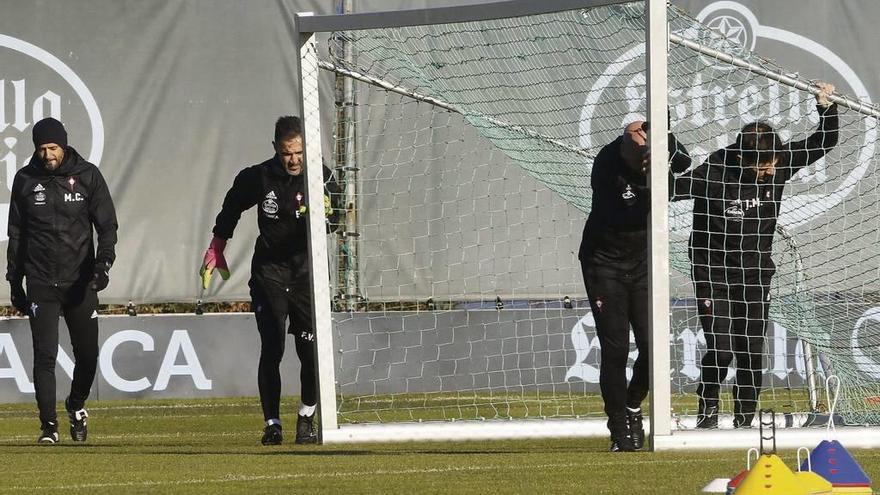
<point x="48" y="131"/>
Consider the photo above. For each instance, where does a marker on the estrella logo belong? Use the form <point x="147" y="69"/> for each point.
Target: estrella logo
<point x="709" y="106"/>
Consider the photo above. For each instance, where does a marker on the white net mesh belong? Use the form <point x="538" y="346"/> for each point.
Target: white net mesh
<point x="480" y="201"/>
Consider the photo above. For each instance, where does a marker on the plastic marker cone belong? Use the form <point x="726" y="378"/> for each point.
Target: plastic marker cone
<point x="718" y="485"/>
<point x="770" y="476"/>
<point x="834" y="463"/>
<point x="813" y="483"/>
<point x="733" y="484"/>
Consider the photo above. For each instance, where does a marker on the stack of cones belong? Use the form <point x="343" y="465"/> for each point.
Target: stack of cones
<point x="828" y="470"/>
<point x="831" y="461"/>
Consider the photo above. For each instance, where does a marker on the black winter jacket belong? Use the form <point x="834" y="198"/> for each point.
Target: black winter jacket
<point x="51" y="219"/>
<point x="615" y="234"/>
<point x="281" y="249"/>
<point x="735" y="215"/>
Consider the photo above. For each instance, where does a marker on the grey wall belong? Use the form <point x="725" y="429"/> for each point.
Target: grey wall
<point x="188" y="91"/>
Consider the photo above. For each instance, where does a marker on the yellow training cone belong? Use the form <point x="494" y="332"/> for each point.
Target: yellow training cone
<point x="770" y="476"/>
<point x="813" y="483"/>
<point x="852" y="490"/>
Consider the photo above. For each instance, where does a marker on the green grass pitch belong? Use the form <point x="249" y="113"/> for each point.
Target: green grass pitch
<point x="212" y="446"/>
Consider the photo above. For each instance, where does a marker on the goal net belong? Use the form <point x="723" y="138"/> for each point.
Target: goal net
<point x="464" y="150"/>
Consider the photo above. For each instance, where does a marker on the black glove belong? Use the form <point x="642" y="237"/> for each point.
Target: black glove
<point x="101" y="277"/>
<point x="18" y="297"/>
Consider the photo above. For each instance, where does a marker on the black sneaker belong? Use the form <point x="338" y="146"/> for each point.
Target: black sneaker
<point x="79" y="429"/>
<point x="743" y="420"/>
<point x="272" y="435"/>
<point x="708" y="419"/>
<point x="621" y="438"/>
<point x="622" y="444"/>
<point x="305" y="429"/>
<point x="49" y="435"/>
<point x="636" y="429"/>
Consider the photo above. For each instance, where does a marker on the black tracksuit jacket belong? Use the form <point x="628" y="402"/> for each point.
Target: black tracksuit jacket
<point x="735" y="215"/>
<point x="51" y="217"/>
<point x="281" y="250"/>
<point x="615" y="234"/>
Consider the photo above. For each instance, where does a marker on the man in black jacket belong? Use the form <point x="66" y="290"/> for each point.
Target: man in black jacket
<point x="280" y="289"/>
<point x="57" y="200"/>
<point x="737" y="194"/>
<point x="614" y="262"/>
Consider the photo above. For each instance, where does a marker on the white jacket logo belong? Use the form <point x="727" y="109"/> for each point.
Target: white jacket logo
<point x="734" y="211"/>
<point x="19" y="109"/>
<point x="270" y="207"/>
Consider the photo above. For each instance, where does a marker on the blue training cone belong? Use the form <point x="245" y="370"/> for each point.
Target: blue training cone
<point x="834" y="463"/>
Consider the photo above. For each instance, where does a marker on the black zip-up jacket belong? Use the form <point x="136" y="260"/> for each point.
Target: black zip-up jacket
<point x="51" y="219"/>
<point x="735" y="215"/>
<point x="281" y="249"/>
<point x="615" y="233"/>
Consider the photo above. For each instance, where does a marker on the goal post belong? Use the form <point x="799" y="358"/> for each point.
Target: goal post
<point x="656" y="41"/>
<point x="318" y="245"/>
<point x="465" y="145"/>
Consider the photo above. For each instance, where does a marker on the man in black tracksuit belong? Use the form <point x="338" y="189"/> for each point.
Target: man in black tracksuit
<point x="614" y="261"/>
<point x="56" y="201"/>
<point x="280" y="288"/>
<point x="737" y="194"/>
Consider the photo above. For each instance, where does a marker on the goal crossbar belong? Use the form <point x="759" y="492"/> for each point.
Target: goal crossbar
<point x="441" y="15"/>
<point x="844" y="101"/>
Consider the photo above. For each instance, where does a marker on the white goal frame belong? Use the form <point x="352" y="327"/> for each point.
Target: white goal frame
<point x="305" y="28"/>
<point x="663" y="436"/>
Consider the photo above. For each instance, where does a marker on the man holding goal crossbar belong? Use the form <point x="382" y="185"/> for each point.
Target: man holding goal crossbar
<point x="614" y="262"/>
<point x="737" y="195"/>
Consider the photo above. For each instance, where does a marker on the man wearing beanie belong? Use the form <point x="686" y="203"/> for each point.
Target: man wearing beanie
<point x="58" y="201"/>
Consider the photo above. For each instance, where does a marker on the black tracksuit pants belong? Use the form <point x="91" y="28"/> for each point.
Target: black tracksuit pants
<point x="734" y="320"/>
<point x="78" y="306"/>
<point x="274" y="305"/>
<point x="619" y="299"/>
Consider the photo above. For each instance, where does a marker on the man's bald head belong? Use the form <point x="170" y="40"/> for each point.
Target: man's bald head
<point x="637" y="132"/>
<point x="635" y="144"/>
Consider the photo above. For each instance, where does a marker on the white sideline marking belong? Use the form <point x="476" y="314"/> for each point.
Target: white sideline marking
<point x="381" y="472"/>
